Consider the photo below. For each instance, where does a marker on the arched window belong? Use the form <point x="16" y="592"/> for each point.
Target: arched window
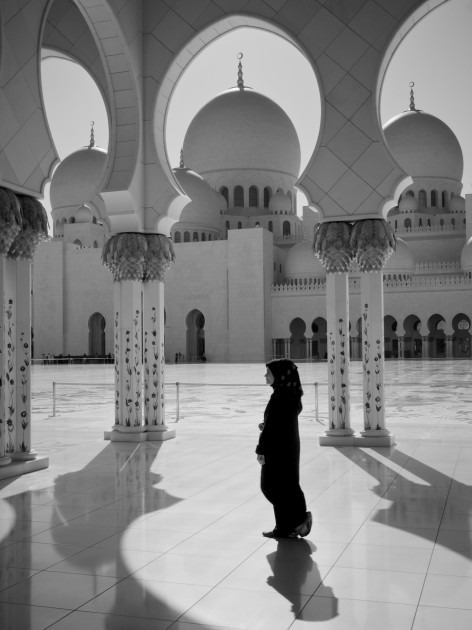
<point x="97" y="326"/>
<point x="186" y="237"/>
<point x="203" y="236"/>
<point x="72" y="220"/>
<point x="238" y="197"/>
<point x="177" y="237"/>
<point x="453" y="222"/>
<point x="422" y="199"/>
<point x="410" y="193"/>
<point x="271" y="226"/>
<point x="286" y="228"/>
<point x="240" y="225"/>
<point x="227" y="225"/>
<point x="434" y="198"/>
<point x="407" y="223"/>
<point x="444" y="199"/>
<point x="253" y="197"/>
<point x="224" y="193"/>
<point x="195" y="237"/>
<point x="78" y="242"/>
<point x="267" y="196"/>
<point x="94" y="220"/>
<point x="95" y="244"/>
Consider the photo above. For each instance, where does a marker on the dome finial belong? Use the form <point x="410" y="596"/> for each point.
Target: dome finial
<point x="181" y="165"/>
<point x="92" y="135"/>
<point x="412" y="98"/>
<point x="240" y="72"/>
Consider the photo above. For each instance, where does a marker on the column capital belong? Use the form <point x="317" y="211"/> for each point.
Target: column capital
<point x="138" y="256"/>
<point x="331" y="245"/>
<point x="372" y="242"/>
<point x="23" y="224"/>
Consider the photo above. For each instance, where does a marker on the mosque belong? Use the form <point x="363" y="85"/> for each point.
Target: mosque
<point x="246" y="285"/>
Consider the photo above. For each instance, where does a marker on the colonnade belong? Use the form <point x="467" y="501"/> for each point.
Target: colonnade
<point x="23" y="223"/>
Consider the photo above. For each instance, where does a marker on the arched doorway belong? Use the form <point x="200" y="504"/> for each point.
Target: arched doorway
<point x="413" y="344"/>
<point x="97" y="326"/>
<point x="461" y="339"/>
<point x="436" y="336"/>
<point x="318" y="340"/>
<point x="297" y="339"/>
<point x="195" y="336"/>
<point x="390" y="337"/>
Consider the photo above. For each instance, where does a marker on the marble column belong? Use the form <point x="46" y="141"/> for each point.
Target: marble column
<point x="308" y="348"/>
<point x="154" y="362"/>
<point x="332" y="246"/>
<point x="337" y="308"/>
<point x="127" y="302"/>
<point x="138" y="263"/>
<point x="373" y="242"/>
<point x="287" y="348"/>
<point x="16" y="453"/>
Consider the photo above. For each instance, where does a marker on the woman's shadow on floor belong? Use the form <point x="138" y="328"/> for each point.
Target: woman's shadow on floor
<point x="295" y="576"/>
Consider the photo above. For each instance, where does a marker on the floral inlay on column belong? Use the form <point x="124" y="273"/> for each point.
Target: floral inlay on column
<point x="373" y="382"/>
<point x="24" y="391"/>
<point x="150" y="394"/>
<point x="9" y="376"/>
<point x="117" y="368"/>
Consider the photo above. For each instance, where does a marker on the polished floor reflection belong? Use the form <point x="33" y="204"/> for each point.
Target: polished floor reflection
<point x="116" y="536"/>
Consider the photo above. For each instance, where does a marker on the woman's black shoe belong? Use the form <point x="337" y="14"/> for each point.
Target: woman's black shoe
<point x="275" y="534"/>
<point x="305" y="528"/>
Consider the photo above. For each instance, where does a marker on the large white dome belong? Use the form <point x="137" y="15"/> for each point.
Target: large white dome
<point x="77" y="177"/>
<point x="301" y="262"/>
<point x="242" y="129"/>
<point x="424" y="146"/>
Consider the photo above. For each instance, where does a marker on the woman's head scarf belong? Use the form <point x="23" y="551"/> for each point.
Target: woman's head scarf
<point x="286" y="377"/>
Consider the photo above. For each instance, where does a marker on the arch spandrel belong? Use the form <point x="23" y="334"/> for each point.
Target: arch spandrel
<point x="351" y="173"/>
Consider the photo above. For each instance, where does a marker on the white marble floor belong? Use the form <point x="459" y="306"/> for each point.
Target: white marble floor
<point x="116" y="536"/>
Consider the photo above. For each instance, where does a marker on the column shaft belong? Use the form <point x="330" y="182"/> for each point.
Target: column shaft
<point x="373" y="355"/>
<point x="337" y="302"/>
<point x="154" y="361"/>
<point x="128" y="355"/>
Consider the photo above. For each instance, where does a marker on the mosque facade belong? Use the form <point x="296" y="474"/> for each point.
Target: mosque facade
<point x="246" y="285"/>
<point x="384" y="217"/>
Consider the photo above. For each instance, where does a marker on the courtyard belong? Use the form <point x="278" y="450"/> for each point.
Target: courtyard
<point x="168" y="535"/>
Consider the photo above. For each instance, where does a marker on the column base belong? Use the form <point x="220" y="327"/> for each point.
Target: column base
<point x="375" y="437"/>
<point x="120" y="433"/>
<point x="16" y="468"/>
<point x="367" y="438"/>
<point x="24" y="456"/>
<point x="159" y="433"/>
<point x="5" y="460"/>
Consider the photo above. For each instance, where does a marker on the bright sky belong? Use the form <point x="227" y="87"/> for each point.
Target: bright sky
<point x="434" y="55"/>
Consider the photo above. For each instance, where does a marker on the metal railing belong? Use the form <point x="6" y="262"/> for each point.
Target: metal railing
<point x="178" y="385"/>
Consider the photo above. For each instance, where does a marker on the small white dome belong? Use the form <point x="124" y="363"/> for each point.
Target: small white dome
<point x="424" y="146"/>
<point x="408" y="204"/>
<point x="457" y="204"/>
<point x="402" y="260"/>
<point x="466" y="256"/>
<point x="83" y="215"/>
<point x="280" y="202"/>
<point x="204" y="208"/>
<point x="77" y="177"/>
<point x="301" y="262"/>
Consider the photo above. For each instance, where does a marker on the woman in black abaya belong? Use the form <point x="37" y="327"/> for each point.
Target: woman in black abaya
<point x="278" y="452"/>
